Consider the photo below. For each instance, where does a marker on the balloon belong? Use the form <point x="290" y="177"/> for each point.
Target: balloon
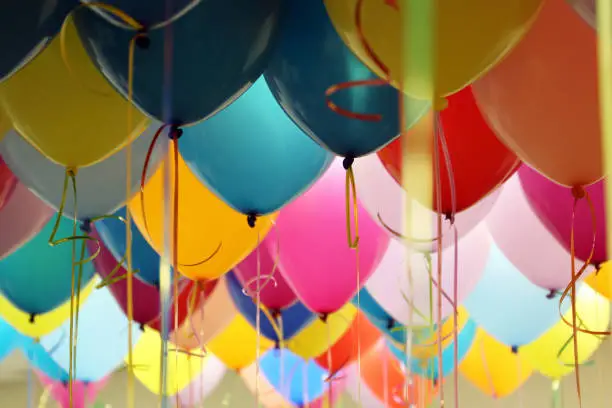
<point x="532" y="105"/>
<point x="321" y="334"/>
<point x="27" y="27"/>
<point x="315" y="258"/>
<point x="199" y="88"/>
<point x="359" y="392"/>
<point x="552" y="355"/>
<point x="39" y="359"/>
<point x="385" y="201"/>
<point x="494" y="306"/>
<point x="254" y="175"/>
<point x="101" y="339"/>
<point x="293" y="319"/>
<point x="8" y="181"/>
<point x="204" y="384"/>
<point x="276" y="293"/>
<point x="391" y="287"/>
<point x="469" y="38"/>
<point x="9" y="339"/>
<point x="601" y="280"/>
<point x="554" y="206"/>
<point x="76" y="119"/>
<point x="23" y="216"/>
<point x="379" y="317"/>
<point x="47" y="283"/>
<point x="356" y="341"/>
<point x="525" y="240"/>
<point x="586" y="10"/>
<point x="207" y="227"/>
<point x="465" y="136"/>
<point x="307" y="62"/>
<point x="489" y="365"/>
<point x="79" y="395"/>
<point x="100" y="187"/>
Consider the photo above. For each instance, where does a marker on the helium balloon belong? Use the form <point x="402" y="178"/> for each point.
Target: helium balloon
<point x="601" y="280"/>
<point x="213" y="237"/>
<point x="290" y="321"/>
<point x="307" y="62"/>
<point x="78" y="395"/>
<point x="199" y="89"/>
<point x="23" y="216"/>
<point x="532" y="105"/>
<point x="9" y="339"/>
<point x="101" y="339"/>
<point x="466" y="135"/>
<point x="554" y="206"/>
<point x="379" y="317"/>
<point x="204" y="384"/>
<point x="8" y="181"/>
<point x="315" y="258"/>
<point x="259" y="385"/>
<point x="586" y="10"/>
<point x="386" y="201"/>
<point x="359" y="392"/>
<point x="254" y="175"/>
<point x="40" y="359"/>
<point x="489" y="365"/>
<point x="77" y="119"/>
<point x="408" y="298"/>
<point x="471" y="36"/>
<point x="100" y="187"/>
<point x="48" y="281"/>
<point x="552" y="355"/>
<point x="525" y="240"/>
<point x="495" y="308"/>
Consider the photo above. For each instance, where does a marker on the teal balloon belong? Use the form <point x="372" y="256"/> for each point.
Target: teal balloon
<point x="194" y="67"/>
<point x="379" y="317"/>
<point x="37" y="278"/>
<point x="252" y="155"/>
<point x="430" y="368"/>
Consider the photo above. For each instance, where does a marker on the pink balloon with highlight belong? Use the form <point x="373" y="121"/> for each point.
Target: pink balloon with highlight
<point x="83" y="393"/>
<point x="315" y="256"/>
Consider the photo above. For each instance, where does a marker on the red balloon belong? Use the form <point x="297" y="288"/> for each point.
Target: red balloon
<point x="480" y="162"/>
<point x="8" y="181"/>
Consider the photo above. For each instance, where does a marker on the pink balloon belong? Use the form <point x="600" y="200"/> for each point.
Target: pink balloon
<point x="553" y="204"/>
<point x="386" y="200"/>
<point x="277" y="293"/>
<point x="83" y="393"/>
<point x="23" y="216"/>
<point x="525" y="241"/>
<point x="315" y="257"/>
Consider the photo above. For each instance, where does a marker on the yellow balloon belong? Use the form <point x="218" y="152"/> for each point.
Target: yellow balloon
<point x="319" y="336"/>
<point x="492" y="366"/>
<point x="594" y="312"/>
<point x="601" y="280"/>
<point x="67" y="110"/>
<point x="182" y="366"/>
<point x="43" y="323"/>
<point x="212" y="237"/>
<point x="236" y="346"/>
<point x="5" y="124"/>
<point x="468" y="38"/>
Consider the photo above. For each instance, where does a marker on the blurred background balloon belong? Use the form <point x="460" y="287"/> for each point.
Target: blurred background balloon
<point x="204" y="384"/>
<point x="358" y="391"/>
<point x="586" y="9"/>
<point x="601" y="280"/>
<point x="379" y="317"/>
<point x="8" y="182"/>
<point x="9" y="339"/>
<point x="39" y="359"/>
<point x="77" y="395"/>
<point x="254" y="175"/>
<point x="309" y="59"/>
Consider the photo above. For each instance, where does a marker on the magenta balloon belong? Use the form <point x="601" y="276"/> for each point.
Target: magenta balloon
<point x="553" y="204"/>
<point x="525" y="241"/>
<point x="277" y="294"/>
<point x="22" y="217"/>
<point x="315" y="257"/>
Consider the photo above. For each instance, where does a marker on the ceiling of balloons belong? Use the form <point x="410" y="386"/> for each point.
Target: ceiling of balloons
<point x="367" y="196"/>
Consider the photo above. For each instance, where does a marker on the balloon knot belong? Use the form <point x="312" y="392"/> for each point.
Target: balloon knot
<point x="142" y="327"/>
<point x="578" y="192"/>
<point x="277" y="345"/>
<point x="323" y="317"/>
<point x="142" y="40"/>
<point x="514" y="349"/>
<point x="276" y="313"/>
<point x="71" y="171"/>
<point x="450" y="217"/>
<point x="86" y="226"/>
<point x="347" y="163"/>
<point x="251" y="219"/>
<point x="434" y="381"/>
<point x="32" y="317"/>
<point x="175" y="132"/>
<point x="390" y="324"/>
<point x="551" y="294"/>
<point x="440" y="104"/>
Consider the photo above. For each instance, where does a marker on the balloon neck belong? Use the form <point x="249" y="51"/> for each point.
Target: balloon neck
<point x="175" y="132"/>
<point x="86" y="226"/>
<point x="578" y="192"/>
<point x="32" y="318"/>
<point x="72" y="171"/>
<point x="551" y="294"/>
<point x="277" y="345"/>
<point x="450" y="217"/>
<point x="348" y="161"/>
<point x="142" y="327"/>
<point x="324" y="317"/>
<point x="390" y="324"/>
<point x="252" y="219"/>
<point x="143" y="41"/>
<point x="439" y="104"/>
<point x="514" y="349"/>
<point x="275" y="314"/>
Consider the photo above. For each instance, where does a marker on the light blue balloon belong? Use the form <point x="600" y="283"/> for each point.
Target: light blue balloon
<point x="102" y="338"/>
<point x="508" y="306"/>
<point x="252" y="155"/>
<point x="40" y="359"/>
<point x="430" y="368"/>
<point x="296" y="374"/>
<point x="9" y="339"/>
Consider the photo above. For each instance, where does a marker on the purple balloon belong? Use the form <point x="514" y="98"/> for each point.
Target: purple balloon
<point x="554" y="204"/>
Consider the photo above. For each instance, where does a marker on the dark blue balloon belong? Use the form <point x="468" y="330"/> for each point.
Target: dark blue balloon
<point x="310" y="57"/>
<point x="218" y="49"/>
<point x="252" y="155"/>
<point x="144" y="258"/>
<point x="379" y="317"/>
<point x="294" y="318"/>
<point x="26" y="26"/>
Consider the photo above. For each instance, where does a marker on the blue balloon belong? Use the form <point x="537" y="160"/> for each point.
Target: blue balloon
<point x="9" y="339"/>
<point x="294" y="318"/>
<point x="508" y="306"/>
<point x="252" y="155"/>
<point x="26" y="27"/>
<point x="379" y="317"/>
<point x="429" y="368"/>
<point x="37" y="278"/>
<point x="219" y="48"/>
<point x="296" y="374"/>
<point x="144" y="258"/>
<point x="40" y="359"/>
<point x="310" y="57"/>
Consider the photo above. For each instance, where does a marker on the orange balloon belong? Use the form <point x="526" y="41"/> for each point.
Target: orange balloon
<point x="345" y="350"/>
<point x="391" y="387"/>
<point x="542" y="100"/>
